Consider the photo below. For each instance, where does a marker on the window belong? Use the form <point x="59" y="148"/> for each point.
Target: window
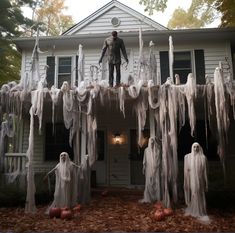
<point x="56" y="142"/>
<point x="50" y="71"/>
<point x="183" y="65"/>
<point x="64" y="70"/>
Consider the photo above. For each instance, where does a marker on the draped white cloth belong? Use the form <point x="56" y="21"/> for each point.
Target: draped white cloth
<point x="152" y="171"/>
<point x="222" y="113"/>
<point x="65" y="194"/>
<point x="195" y="182"/>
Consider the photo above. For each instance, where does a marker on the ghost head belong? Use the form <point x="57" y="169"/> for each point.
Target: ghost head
<point x="64" y="157"/>
<point x="65" y="86"/>
<point x="196" y="148"/>
<point x="64" y="166"/>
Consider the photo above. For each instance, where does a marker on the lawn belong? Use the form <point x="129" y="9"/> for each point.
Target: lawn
<point x="117" y="210"/>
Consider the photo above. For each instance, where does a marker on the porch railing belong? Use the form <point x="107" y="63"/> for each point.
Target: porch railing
<point x="15" y="162"/>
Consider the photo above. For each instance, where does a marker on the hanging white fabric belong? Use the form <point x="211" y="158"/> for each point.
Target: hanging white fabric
<point x="142" y="64"/>
<point x="30" y="206"/>
<point x="221" y="113"/>
<point x="80" y="68"/>
<point x="152" y="64"/>
<point x="54" y="93"/>
<point x="190" y="94"/>
<point x="171" y="56"/>
<point x="67" y="104"/>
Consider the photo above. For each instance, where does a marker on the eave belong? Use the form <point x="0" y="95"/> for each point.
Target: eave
<point x="158" y="36"/>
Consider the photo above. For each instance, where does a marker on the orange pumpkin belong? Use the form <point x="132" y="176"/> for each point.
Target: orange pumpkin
<point x="54" y="212"/>
<point x="66" y="214"/>
<point x="159" y="215"/>
<point x="168" y="211"/>
<point x="104" y="193"/>
<point x="65" y="208"/>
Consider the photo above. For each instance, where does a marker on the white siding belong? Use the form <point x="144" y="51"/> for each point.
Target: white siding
<point x="42" y="63"/>
<point x="213" y="56"/>
<point x="103" y="23"/>
<point x="38" y="157"/>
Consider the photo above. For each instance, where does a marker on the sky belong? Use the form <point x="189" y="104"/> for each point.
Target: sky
<point x="80" y="9"/>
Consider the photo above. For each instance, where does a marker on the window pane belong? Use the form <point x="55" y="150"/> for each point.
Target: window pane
<point x="182" y="65"/>
<point x="64" y="65"/>
<point x="65" y="61"/>
<point x="62" y="78"/>
<point x="64" y="70"/>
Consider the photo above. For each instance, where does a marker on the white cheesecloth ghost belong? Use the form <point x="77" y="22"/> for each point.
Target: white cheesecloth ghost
<point x="151" y="170"/>
<point x="65" y="194"/>
<point x="195" y="182"/>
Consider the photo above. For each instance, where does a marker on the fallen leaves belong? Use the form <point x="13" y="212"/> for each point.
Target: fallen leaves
<point x="117" y="211"/>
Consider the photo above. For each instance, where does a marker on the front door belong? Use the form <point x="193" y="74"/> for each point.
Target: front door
<point x="99" y="168"/>
<point x="136" y="157"/>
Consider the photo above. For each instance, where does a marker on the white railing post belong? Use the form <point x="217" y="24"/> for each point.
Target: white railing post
<point x="15" y="162"/>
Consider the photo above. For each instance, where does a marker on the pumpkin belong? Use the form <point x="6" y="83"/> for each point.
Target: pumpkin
<point x="168" y="211"/>
<point x="159" y="206"/>
<point x="159" y="215"/>
<point x="54" y="212"/>
<point x="66" y="214"/>
<point x="104" y="193"/>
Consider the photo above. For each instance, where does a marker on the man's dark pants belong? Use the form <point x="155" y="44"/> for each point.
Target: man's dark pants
<point x="118" y="73"/>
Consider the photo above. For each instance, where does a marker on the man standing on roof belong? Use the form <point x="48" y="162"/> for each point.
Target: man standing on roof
<point x="114" y="44"/>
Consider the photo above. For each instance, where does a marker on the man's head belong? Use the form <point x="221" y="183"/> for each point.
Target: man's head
<point x="114" y="34"/>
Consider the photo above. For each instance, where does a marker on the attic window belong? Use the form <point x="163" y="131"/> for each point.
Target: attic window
<point x="115" y="21"/>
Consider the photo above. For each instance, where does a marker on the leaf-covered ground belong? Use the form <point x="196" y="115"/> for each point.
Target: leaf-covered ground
<point x="115" y="211"/>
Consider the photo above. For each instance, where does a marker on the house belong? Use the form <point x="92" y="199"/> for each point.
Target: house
<point x="119" y="158"/>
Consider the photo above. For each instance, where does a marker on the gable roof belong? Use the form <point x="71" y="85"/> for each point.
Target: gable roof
<point x="142" y="20"/>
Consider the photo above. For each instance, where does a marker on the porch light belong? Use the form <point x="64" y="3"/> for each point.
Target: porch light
<point x="117" y="138"/>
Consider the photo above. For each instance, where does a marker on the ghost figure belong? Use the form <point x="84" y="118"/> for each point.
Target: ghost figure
<point x="151" y="170"/>
<point x="65" y="194"/>
<point x="195" y="182"/>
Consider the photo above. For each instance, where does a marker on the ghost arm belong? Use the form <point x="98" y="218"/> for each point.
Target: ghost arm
<point x="79" y="170"/>
<point x="75" y="165"/>
<point x="123" y="49"/>
<point x="51" y="171"/>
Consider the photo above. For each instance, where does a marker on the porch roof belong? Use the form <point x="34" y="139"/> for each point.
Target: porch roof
<point x="158" y="36"/>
